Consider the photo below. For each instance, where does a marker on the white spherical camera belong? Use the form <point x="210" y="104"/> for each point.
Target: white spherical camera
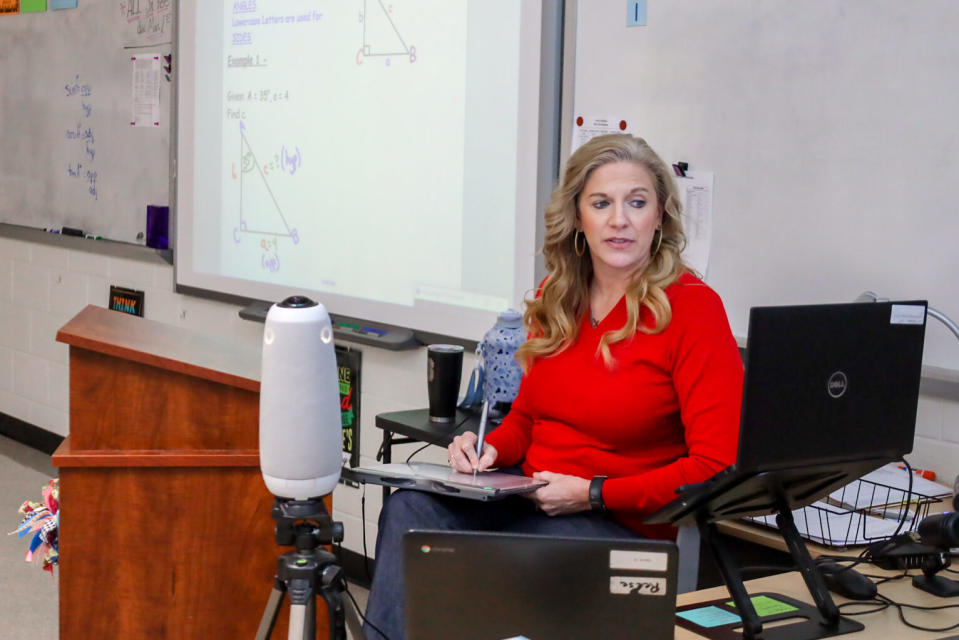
<point x="301" y="437"/>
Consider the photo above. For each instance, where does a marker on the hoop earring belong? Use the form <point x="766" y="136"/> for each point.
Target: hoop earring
<point x="659" y="242"/>
<point x="576" y="236"/>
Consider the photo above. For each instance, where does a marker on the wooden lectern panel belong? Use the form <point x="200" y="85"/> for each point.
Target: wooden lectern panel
<point x="166" y="527"/>
<point x="150" y="553"/>
<point x="126" y="405"/>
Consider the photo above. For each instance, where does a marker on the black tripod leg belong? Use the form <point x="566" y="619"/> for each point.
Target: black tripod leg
<point x="331" y="589"/>
<point x="272" y="610"/>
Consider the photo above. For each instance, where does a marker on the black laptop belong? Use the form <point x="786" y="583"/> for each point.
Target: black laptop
<point x="830" y="393"/>
<point x="494" y="586"/>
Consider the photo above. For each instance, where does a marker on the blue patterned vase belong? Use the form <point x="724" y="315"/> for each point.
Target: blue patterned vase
<point x="498" y="349"/>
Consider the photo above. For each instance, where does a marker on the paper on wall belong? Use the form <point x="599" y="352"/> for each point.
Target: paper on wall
<point x="585" y="128"/>
<point x="696" y="196"/>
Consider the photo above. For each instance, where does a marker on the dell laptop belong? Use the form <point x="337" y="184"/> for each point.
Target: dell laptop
<point x="830" y="393"/>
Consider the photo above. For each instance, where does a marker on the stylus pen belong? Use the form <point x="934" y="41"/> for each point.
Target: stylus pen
<point x="482" y="431"/>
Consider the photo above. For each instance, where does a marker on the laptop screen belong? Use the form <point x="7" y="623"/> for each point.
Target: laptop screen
<point x="494" y="586"/>
<point x="828" y="383"/>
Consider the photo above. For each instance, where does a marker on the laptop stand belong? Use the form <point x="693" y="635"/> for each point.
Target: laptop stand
<point x="778" y="492"/>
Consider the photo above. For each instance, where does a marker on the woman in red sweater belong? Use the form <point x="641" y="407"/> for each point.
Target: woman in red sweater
<point x="632" y="379"/>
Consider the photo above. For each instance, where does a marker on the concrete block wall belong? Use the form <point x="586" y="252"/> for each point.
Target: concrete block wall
<point x="41" y="287"/>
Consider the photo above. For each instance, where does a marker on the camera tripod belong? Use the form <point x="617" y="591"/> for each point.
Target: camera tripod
<point x="309" y="568"/>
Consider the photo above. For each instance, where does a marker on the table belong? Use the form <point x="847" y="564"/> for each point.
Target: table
<point x="884" y="624"/>
<point x="404" y="427"/>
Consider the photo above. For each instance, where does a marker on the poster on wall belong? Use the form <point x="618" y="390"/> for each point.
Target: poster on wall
<point x="348" y="363"/>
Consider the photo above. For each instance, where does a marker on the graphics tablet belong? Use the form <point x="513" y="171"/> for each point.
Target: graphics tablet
<point x="437" y="478"/>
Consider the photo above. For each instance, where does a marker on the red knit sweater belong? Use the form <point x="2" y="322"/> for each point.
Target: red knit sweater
<point x="666" y="413"/>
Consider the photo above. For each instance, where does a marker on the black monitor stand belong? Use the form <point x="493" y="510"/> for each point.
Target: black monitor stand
<point x="778" y="492"/>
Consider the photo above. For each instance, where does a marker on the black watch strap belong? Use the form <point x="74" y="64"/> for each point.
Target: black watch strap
<point x="596" y="494"/>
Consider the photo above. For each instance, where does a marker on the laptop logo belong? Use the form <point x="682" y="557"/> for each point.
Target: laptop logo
<point x="837" y="384"/>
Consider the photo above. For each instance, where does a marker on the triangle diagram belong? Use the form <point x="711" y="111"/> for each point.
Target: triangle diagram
<point x="380" y="35"/>
<point x="259" y="211"/>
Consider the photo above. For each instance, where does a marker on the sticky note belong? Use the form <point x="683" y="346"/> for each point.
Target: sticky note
<point x="33" y="6"/>
<point x="62" y="4"/>
<point x="711" y="616"/>
<point x="766" y="606"/>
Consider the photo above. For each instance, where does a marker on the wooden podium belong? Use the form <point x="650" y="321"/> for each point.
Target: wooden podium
<point x="165" y="526"/>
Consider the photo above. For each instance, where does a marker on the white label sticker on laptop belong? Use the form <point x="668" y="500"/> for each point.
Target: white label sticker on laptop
<point x="637" y="585"/>
<point x="646" y="560"/>
<point x="907" y="314"/>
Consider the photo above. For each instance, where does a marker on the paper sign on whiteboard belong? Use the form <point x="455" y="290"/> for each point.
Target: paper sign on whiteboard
<point x="146" y="90"/>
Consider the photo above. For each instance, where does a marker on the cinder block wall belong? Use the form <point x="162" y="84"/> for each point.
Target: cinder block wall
<point x="41" y="287"/>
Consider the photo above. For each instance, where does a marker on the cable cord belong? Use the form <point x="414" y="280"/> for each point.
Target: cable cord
<point x="356" y="607"/>
<point x="881" y="603"/>
<point x="346" y="588"/>
<point x="869" y="553"/>
<point x="366" y="552"/>
<point x="410" y="457"/>
<point x="900" y="606"/>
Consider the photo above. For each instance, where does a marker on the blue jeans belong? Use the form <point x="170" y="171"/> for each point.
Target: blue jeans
<point x="406" y="510"/>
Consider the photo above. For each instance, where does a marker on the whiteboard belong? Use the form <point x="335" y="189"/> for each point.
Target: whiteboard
<point x="70" y="155"/>
<point x="387" y="163"/>
<point x="832" y="130"/>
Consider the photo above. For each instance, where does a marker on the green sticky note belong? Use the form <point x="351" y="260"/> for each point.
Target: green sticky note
<point x="33" y="6"/>
<point x="711" y="616"/>
<point x="766" y="606"/>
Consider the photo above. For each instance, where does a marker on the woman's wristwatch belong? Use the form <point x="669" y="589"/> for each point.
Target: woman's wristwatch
<point x="596" y="494"/>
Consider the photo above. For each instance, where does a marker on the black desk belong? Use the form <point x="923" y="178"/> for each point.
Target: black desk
<point x="404" y="427"/>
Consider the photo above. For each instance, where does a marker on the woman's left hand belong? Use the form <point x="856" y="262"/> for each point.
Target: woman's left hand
<point x="563" y="494"/>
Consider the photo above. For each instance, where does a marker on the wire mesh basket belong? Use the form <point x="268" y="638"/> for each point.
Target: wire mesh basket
<point x="859" y="513"/>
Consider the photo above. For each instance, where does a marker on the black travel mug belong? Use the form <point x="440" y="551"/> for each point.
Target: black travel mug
<point x="444" y="368"/>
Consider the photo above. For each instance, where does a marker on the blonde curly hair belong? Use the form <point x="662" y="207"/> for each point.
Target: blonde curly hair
<point x="553" y="317"/>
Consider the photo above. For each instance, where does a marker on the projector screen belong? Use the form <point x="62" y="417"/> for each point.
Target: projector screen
<point x="384" y="157"/>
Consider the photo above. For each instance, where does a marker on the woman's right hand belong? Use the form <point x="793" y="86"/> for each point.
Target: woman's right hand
<point x="462" y="454"/>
